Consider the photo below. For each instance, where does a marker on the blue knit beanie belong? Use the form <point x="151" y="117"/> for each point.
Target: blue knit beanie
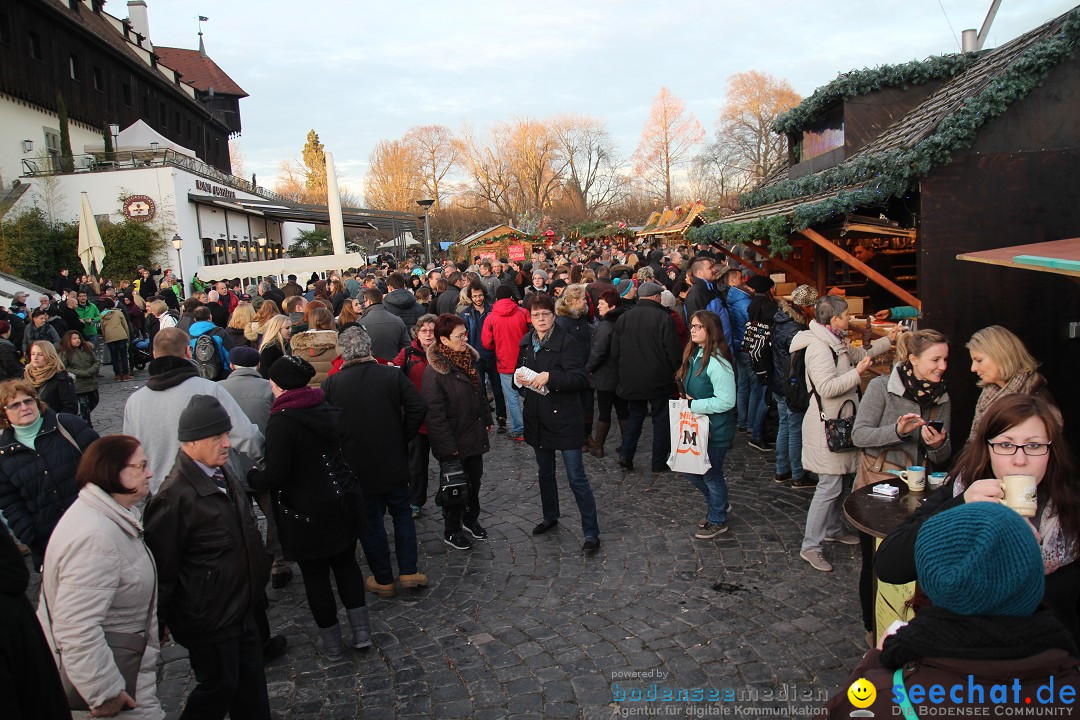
<point x="980" y="558"/>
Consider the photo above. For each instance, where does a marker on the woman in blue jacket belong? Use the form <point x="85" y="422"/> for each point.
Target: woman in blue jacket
<point x="708" y="378"/>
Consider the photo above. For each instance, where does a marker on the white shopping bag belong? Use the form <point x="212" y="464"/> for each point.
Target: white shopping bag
<point x="689" y="439"/>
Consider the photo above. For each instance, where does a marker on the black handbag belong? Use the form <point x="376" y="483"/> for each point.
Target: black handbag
<point x="453" y="485"/>
<point x="838" y="430"/>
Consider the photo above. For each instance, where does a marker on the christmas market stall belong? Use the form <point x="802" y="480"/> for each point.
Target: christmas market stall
<point x="499" y="241"/>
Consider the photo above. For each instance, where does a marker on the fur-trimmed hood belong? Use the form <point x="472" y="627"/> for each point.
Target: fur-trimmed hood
<point x="314" y="340"/>
<point x="440" y="364"/>
<point x="563" y="310"/>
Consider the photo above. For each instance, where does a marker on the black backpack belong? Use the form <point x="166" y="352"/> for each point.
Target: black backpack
<point x="757" y="342"/>
<point x="205" y="353"/>
<point x="796" y="395"/>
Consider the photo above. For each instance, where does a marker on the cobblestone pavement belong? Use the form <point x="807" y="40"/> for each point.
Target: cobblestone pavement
<point x="530" y="627"/>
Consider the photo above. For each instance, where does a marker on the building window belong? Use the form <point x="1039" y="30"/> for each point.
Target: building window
<point x="52" y="142"/>
<point x="5" y="30"/>
<point x="35" y="45"/>
<point x="73" y="66"/>
<point x="146" y="109"/>
<point x="125" y="93"/>
<point x="99" y="80"/>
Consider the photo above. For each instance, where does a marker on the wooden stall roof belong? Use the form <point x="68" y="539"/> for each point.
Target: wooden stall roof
<point x="784" y="207"/>
<point x="674" y="221"/>
<point x="502" y="229"/>
<point x="1061" y="257"/>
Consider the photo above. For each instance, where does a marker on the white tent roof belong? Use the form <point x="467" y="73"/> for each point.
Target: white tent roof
<point x="396" y="242"/>
<point x="283" y="266"/>
<point x="138" y="136"/>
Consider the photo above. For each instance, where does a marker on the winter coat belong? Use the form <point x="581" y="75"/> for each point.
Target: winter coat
<point x="270" y="355"/>
<point x="602" y="367"/>
<point x="220" y="337"/>
<point x="252" y="393"/>
<point x="237" y="337"/>
<point x="474" y="324"/>
<point x="447" y="301"/>
<point x="212" y="566"/>
<point x="99" y="577"/>
<point x="577" y="326"/>
<point x="33" y="333"/>
<point x="37" y="486"/>
<point x="29" y="682"/>
<point x="388" y="332"/>
<point x="875" y="424"/>
<point x="502" y="333"/>
<point x="307" y="508"/>
<point x="554" y="421"/>
<point x="318" y="347"/>
<point x="114" y="326"/>
<point x="738" y="302"/>
<point x="58" y="393"/>
<point x="491" y="283"/>
<point x="402" y="303"/>
<point x="713" y="393"/>
<point x="645" y="347"/>
<point x="458" y="414"/>
<point x="699" y="296"/>
<point x="381" y="413"/>
<point x="787" y="322"/>
<point x="10" y="367"/>
<point x="830" y="366"/>
<point x="413" y="361"/>
<point x="84" y="367"/>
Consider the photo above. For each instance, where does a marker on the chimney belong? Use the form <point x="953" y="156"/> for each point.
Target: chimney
<point x="969" y="40"/>
<point x="140" y="20"/>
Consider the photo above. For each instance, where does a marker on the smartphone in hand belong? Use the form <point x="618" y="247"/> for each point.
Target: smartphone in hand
<point x="937" y="425"/>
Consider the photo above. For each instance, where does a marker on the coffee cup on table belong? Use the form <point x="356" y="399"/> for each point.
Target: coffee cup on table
<point x="937" y="479"/>
<point x="915" y="477"/>
<point x="1021" y="494"/>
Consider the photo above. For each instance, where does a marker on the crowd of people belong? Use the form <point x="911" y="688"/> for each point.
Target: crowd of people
<point x="325" y="404"/>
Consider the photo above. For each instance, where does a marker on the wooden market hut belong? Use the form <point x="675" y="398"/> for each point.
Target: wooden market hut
<point x="930" y="160"/>
<point x="498" y="241"/>
<point x="671" y="224"/>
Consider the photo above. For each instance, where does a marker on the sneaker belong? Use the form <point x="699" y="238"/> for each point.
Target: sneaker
<point x="781" y="478"/>
<point x="457" y="540"/>
<point x="515" y="436"/>
<point x="844" y="539"/>
<point x="377" y="588"/>
<point x="415" y="511"/>
<point x="760" y="445"/>
<point x="500" y="428"/>
<point x="710" y="531"/>
<point x="476" y="530"/>
<point x="803" y="483"/>
<point x="816" y="560"/>
<point x="412" y="581"/>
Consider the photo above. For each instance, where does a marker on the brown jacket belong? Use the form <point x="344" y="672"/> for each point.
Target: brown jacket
<point x="318" y="347"/>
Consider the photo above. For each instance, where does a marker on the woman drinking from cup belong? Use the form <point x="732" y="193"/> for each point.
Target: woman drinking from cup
<point x="897" y="427"/>
<point x="708" y="378"/>
<point x="1004" y="367"/>
<point x="1020" y="435"/>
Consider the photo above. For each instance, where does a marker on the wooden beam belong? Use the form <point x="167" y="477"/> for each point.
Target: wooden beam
<point x="783" y="265"/>
<point x="871" y="274"/>
<point x="733" y="256"/>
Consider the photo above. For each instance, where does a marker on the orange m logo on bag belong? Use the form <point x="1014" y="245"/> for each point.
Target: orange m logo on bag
<point x="688" y="434"/>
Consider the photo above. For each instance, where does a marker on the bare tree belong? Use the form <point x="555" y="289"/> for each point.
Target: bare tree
<point x="744" y="130"/>
<point x="592" y="180"/>
<point x="435" y="146"/>
<point x="395" y="179"/>
<point x="236" y="158"/>
<point x="488" y="187"/>
<point x="669" y="135"/>
<point x="718" y="175"/>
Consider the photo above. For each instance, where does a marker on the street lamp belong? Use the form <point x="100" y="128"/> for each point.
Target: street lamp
<point x="427" y="229"/>
<point x="178" y="243"/>
<point x="261" y="239"/>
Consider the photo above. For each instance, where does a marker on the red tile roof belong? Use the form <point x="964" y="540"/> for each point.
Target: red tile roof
<point x="198" y="70"/>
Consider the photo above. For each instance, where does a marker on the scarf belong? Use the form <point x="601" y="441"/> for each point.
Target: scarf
<point x="921" y="392"/>
<point x="1020" y="383"/>
<point x="463" y="361"/>
<point x="169" y="371"/>
<point x="38" y="376"/>
<point x="1057" y="550"/>
<point x="936" y="632"/>
<point x="298" y="399"/>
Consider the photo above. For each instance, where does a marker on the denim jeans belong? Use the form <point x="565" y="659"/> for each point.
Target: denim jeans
<point x="661" y="441"/>
<point x="376" y="547"/>
<point x="750" y="404"/>
<point x="579" y="485"/>
<point x="788" y="440"/>
<point x="713" y="485"/>
<point x="513" y="403"/>
<point x="119" y="352"/>
<point x="823" y="517"/>
<point x="485" y="368"/>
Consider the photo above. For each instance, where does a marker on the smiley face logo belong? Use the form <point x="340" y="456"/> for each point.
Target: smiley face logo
<point x="862" y="693"/>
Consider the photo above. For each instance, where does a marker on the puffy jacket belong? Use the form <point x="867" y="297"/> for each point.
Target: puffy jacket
<point x="84" y="367"/>
<point x="37" y="486"/>
<point x="787" y="322"/>
<point x="58" y="393"/>
<point x="318" y="347"/>
<point x="458" y="414"/>
<point x="502" y="333"/>
<point x="403" y="303"/>
<point x="738" y="301"/>
<point x="602" y="367"/>
<point x="646" y="348"/>
<point x="114" y="325"/>
<point x="554" y="421"/>
<point x="474" y="324"/>
<point x="212" y="566"/>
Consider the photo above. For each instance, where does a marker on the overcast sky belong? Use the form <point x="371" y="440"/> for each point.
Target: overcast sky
<point x="358" y="72"/>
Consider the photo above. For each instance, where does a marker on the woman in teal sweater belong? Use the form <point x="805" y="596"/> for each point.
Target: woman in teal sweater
<point x="708" y="380"/>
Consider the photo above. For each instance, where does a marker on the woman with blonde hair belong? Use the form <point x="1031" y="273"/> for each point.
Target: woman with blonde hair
<point x="275" y="343"/>
<point x="52" y="382"/>
<point x="241" y="317"/>
<point x="254" y="330"/>
<point x="318" y="344"/>
<point x="1005" y="367"/>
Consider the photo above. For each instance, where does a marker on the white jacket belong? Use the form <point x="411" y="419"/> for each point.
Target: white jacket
<point x="99" y="577"/>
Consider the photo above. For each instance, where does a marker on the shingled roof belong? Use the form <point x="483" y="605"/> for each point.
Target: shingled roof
<point x="199" y="70"/>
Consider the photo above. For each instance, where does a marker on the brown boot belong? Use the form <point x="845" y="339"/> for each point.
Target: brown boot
<point x="602" y="429"/>
<point x="588" y="446"/>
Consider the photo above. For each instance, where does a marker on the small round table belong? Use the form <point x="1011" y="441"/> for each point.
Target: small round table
<point x="877" y="515"/>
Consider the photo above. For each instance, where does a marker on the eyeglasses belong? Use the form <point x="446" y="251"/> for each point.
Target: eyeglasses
<point x="459" y="336"/>
<point x="138" y="466"/>
<point x="1030" y="449"/>
<point x="20" y="404"/>
<point x="543" y="314"/>
<point x="697" y="326"/>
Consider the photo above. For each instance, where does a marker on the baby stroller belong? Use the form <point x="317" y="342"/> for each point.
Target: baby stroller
<point x="140" y="353"/>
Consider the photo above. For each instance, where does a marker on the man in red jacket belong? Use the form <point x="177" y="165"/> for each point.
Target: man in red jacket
<point x="506" y="324"/>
